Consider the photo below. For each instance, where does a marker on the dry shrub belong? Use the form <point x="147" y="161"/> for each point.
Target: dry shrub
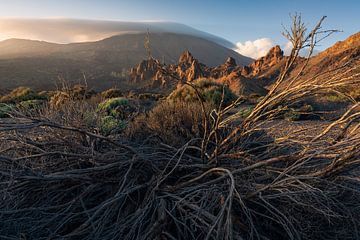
<point x="22" y="94"/>
<point x="173" y="122"/>
<point x="69" y="94"/>
<point x="112" y="93"/>
<point x="76" y="113"/>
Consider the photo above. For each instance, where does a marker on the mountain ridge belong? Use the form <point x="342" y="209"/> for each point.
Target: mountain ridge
<point x="98" y="60"/>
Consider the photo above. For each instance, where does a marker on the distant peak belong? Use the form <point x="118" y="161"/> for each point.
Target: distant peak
<point x="186" y="57"/>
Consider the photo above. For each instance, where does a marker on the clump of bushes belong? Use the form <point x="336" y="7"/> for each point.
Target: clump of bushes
<point x="116" y="112"/>
<point x="77" y="92"/>
<point x="21" y="94"/>
<point x="209" y="90"/>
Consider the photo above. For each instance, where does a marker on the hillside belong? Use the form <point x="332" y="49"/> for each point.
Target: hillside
<point x="267" y="68"/>
<point x="39" y="64"/>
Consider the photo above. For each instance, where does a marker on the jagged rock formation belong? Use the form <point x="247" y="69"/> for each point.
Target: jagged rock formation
<point x="250" y="79"/>
<point x="189" y="69"/>
<point x="225" y="69"/>
<point x="149" y="70"/>
<point x="259" y="66"/>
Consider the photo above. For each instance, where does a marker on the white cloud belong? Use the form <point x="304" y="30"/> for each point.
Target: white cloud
<point x="260" y="47"/>
<point x="287" y="48"/>
<point x="255" y="49"/>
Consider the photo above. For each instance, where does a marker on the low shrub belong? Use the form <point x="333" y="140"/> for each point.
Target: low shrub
<point x="292" y="115"/>
<point x="31" y="104"/>
<point x="174" y="123"/>
<point x="59" y="98"/>
<point x="75" y="93"/>
<point x="302" y="112"/>
<point x="21" y="94"/>
<point x="5" y="109"/>
<point x="334" y="98"/>
<point x="150" y="96"/>
<point x="109" y="125"/>
<point x="112" y="93"/>
<point x="209" y="90"/>
<point x="116" y="107"/>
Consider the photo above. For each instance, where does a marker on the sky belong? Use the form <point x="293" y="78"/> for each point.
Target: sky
<point x="254" y="26"/>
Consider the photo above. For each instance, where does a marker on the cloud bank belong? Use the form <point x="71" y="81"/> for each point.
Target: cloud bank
<point x="255" y="49"/>
<point x="260" y="47"/>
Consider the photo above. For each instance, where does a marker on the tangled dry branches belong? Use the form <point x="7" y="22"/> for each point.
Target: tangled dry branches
<point x="58" y="181"/>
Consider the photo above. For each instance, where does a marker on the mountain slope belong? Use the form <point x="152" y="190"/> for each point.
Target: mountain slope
<point x="342" y="53"/>
<point x="39" y="64"/>
<point x="65" y="30"/>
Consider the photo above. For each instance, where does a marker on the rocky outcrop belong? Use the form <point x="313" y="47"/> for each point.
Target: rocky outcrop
<point x="274" y="57"/>
<point x="241" y="85"/>
<point x="159" y="75"/>
<point x="146" y="69"/>
<point x="153" y="74"/>
<point x="225" y="69"/>
<point x="189" y="68"/>
<point x="149" y="71"/>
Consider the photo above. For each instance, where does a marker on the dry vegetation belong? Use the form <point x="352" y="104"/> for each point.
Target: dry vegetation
<point x="183" y="171"/>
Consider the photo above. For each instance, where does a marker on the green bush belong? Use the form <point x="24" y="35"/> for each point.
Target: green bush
<point x="5" y="109"/>
<point x="110" y="124"/>
<point x="116" y="107"/>
<point x="209" y="90"/>
<point x="31" y="104"/>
